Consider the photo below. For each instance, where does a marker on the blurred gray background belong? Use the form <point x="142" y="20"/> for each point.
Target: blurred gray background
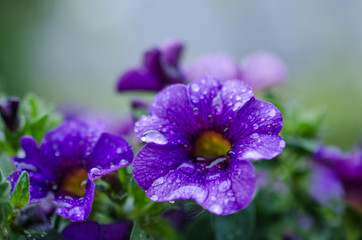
<point x="73" y="51"/>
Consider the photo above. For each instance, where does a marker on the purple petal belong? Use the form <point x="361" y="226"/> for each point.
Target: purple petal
<point x="234" y="95"/>
<point x="160" y="131"/>
<point x="38" y="167"/>
<point x="173" y="104"/>
<point x="109" y="154"/>
<point x="76" y="209"/>
<point x="205" y="100"/>
<point x="93" y="230"/>
<point x="153" y="162"/>
<point x="325" y="187"/>
<point x="231" y="190"/>
<point x="255" y="116"/>
<point x="139" y="79"/>
<point x="171" y="51"/>
<point x="70" y="144"/>
<point x="262" y="70"/>
<point x="167" y="175"/>
<point x="258" y="147"/>
<point x="220" y="66"/>
<point x="9" y="112"/>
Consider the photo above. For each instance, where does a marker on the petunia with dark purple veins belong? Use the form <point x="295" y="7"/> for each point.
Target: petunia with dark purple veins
<point x="67" y="162"/>
<point x="160" y="68"/>
<point x="201" y="140"/>
<point x="346" y="169"/>
<point x="9" y="112"/>
<point x="95" y="231"/>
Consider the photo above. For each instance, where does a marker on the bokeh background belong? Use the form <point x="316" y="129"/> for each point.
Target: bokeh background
<point x="73" y="51"/>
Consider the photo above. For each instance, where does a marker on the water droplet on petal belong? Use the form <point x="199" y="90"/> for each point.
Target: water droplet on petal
<point x="186" y="168"/>
<point x="159" y="181"/>
<point x="272" y="113"/>
<point x="255" y="126"/>
<point x="119" y="150"/>
<point x="216" y="209"/>
<point x="154" y="136"/>
<point x="195" y="87"/>
<point x="237" y="105"/>
<point x="154" y="197"/>
<point x="281" y="144"/>
<point x="255" y="135"/>
<point x="225" y="185"/>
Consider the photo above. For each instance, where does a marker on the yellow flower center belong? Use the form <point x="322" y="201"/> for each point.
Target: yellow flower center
<point x="211" y="145"/>
<point x="75" y="182"/>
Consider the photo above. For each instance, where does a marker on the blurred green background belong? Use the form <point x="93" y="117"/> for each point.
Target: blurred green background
<point x="72" y="51"/>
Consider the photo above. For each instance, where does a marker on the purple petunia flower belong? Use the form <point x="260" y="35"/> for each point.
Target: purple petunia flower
<point x="259" y="70"/>
<point x="9" y="112"/>
<point x="201" y="139"/>
<point x="347" y="172"/>
<point x="95" y="231"/>
<point x="160" y="68"/>
<point x="67" y="162"/>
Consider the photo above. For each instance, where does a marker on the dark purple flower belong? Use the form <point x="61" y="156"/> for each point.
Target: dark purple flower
<point x="259" y="70"/>
<point x="67" y="162"/>
<point x="201" y="141"/>
<point x="9" y="113"/>
<point x="95" y="231"/>
<point x="347" y="169"/>
<point x="160" y="67"/>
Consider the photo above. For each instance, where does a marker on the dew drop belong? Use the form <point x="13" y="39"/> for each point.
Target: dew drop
<point x="255" y="126"/>
<point x="281" y="144"/>
<point x="154" y="136"/>
<point x="272" y="113"/>
<point x="195" y="87"/>
<point x="154" y="197"/>
<point x="159" y="181"/>
<point x="216" y="209"/>
<point x="186" y="168"/>
<point x="224" y="186"/>
<point x="119" y="150"/>
<point x="255" y="135"/>
<point x="237" y="105"/>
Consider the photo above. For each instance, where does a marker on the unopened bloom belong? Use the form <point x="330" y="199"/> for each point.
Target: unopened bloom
<point x="201" y="139"/>
<point x="160" y="68"/>
<point x="67" y="162"/>
<point x="9" y="112"/>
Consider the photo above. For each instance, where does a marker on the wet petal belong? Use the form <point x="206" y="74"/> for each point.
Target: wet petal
<point x="109" y="154"/>
<point x="173" y="104"/>
<point x="160" y="131"/>
<point x="139" y="79"/>
<point x="255" y="117"/>
<point x="258" y="147"/>
<point x="76" y="209"/>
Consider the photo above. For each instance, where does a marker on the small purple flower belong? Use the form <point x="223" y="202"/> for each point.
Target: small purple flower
<point x="220" y="66"/>
<point x="95" y="231"/>
<point x="259" y="70"/>
<point x="347" y="169"/>
<point x="160" y="68"/>
<point x="201" y="139"/>
<point x="9" y="112"/>
<point x="262" y="70"/>
<point x="69" y="159"/>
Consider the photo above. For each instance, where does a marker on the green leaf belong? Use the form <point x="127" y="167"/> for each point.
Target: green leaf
<point x="20" y="196"/>
<point x="5" y="189"/>
<point x="1" y="176"/>
<point x="5" y="210"/>
<point x="140" y="234"/>
<point x="237" y="226"/>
